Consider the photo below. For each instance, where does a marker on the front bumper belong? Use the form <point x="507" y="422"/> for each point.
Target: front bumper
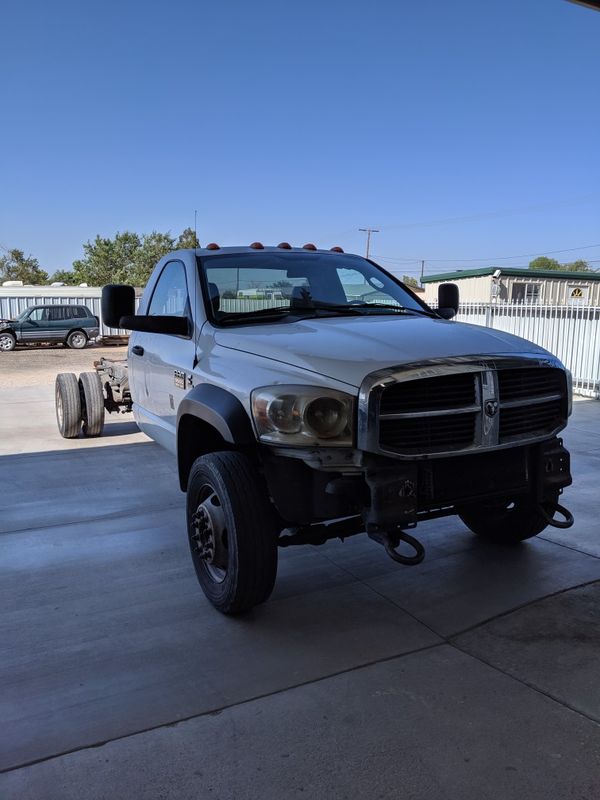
<point x="388" y="492"/>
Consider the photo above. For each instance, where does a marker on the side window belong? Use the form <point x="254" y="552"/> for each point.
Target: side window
<point x="81" y="312"/>
<point x="57" y="313"/>
<point x="38" y="315"/>
<point x="170" y="297"/>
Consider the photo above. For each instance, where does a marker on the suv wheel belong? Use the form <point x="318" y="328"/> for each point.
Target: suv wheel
<point x="505" y="521"/>
<point x="232" y="532"/>
<point x="8" y="341"/>
<point x="68" y="405"/>
<point x="77" y="340"/>
<point x="92" y="403"/>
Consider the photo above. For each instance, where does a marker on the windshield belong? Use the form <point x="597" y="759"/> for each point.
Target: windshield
<point x="22" y="315"/>
<point x="273" y="286"/>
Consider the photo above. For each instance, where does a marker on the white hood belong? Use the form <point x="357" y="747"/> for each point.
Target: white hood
<point x="349" y="348"/>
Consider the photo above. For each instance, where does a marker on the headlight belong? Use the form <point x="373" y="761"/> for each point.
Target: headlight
<point x="569" y="391"/>
<point x="303" y="415"/>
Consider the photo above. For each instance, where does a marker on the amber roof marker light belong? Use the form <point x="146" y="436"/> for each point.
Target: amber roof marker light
<point x="336" y="249"/>
<point x="309" y="246"/>
<point x="284" y="246"/>
<point x="257" y="246"/>
<point x="213" y="246"/>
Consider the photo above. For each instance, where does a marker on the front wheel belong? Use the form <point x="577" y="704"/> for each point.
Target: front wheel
<point x="232" y="532"/>
<point x="507" y="521"/>
<point x="77" y="340"/>
<point x="8" y="341"/>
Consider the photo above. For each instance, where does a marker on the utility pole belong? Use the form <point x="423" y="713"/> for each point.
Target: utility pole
<point x="369" y="231"/>
<point x="422" y="270"/>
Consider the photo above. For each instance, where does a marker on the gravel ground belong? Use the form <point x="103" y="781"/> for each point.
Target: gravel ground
<point x="36" y="366"/>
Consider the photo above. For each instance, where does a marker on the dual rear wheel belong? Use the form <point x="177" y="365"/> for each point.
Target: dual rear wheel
<point x="79" y="404"/>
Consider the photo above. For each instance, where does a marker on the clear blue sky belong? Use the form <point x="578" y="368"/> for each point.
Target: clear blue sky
<point x="304" y="121"/>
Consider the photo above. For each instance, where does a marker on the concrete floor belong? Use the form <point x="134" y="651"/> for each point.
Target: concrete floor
<point x="474" y="675"/>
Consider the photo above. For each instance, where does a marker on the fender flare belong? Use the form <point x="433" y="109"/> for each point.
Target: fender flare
<point x="220" y="409"/>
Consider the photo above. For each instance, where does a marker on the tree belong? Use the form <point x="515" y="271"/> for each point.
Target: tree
<point x="128" y="258"/>
<point x="187" y="239"/>
<point x="15" y="266"/>
<point x="409" y="281"/>
<point x="543" y="262"/>
<point x="578" y="266"/>
<point x="153" y="246"/>
<point x="63" y="276"/>
<point x="108" y="260"/>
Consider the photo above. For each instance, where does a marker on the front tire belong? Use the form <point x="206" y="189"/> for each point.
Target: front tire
<point x="507" y="521"/>
<point x="8" y="341"/>
<point x="232" y="532"/>
<point x="77" y="340"/>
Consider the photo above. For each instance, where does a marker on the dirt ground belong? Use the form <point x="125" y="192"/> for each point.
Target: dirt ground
<point x="36" y="366"/>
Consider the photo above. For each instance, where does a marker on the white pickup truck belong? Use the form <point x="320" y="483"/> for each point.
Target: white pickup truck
<point x="344" y="406"/>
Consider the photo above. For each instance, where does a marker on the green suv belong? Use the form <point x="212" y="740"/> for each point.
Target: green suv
<point x="68" y="324"/>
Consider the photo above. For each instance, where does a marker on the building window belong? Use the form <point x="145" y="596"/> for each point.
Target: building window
<point x="526" y="292"/>
<point x="578" y="295"/>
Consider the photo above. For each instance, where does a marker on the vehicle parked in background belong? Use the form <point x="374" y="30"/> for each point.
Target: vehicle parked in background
<point x="320" y="416"/>
<point x="69" y="324"/>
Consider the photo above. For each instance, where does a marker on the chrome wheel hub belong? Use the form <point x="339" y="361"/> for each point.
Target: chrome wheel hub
<point x="209" y="535"/>
<point x="5" y="342"/>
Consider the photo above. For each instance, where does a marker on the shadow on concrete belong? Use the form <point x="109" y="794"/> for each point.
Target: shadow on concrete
<point x="105" y="631"/>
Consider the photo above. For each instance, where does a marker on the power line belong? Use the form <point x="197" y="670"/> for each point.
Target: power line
<point x="491" y="258"/>
<point x="507" y="212"/>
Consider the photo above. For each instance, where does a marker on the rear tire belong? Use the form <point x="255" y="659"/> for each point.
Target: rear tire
<point x="92" y="403"/>
<point x="8" y="341"/>
<point x="68" y="405"/>
<point x="232" y="532"/>
<point x="506" y="521"/>
<point x="77" y="340"/>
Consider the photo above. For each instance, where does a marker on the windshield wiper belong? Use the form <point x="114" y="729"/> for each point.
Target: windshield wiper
<point x="259" y="314"/>
<point x="365" y="306"/>
<point x="294" y="312"/>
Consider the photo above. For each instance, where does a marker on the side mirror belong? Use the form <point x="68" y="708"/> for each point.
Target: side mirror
<point x="447" y="300"/>
<point x="118" y="311"/>
<point x="118" y="300"/>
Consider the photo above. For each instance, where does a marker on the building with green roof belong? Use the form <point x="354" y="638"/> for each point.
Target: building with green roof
<point x="513" y="285"/>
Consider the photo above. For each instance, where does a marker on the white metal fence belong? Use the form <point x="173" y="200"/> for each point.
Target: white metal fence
<point x="572" y="333"/>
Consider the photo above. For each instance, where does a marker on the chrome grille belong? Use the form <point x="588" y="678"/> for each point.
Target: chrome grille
<point x="538" y="418"/>
<point x="443" y="408"/>
<point x="428" y="433"/>
<point x="429" y="394"/>
<point x="524" y="383"/>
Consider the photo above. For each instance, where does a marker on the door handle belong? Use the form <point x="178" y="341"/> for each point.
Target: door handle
<point x="137" y="350"/>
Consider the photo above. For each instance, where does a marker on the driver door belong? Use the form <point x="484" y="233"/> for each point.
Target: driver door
<point x="164" y="362"/>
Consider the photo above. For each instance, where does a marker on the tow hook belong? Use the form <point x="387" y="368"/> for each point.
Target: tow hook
<point x="391" y="540"/>
<point x="548" y="509"/>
